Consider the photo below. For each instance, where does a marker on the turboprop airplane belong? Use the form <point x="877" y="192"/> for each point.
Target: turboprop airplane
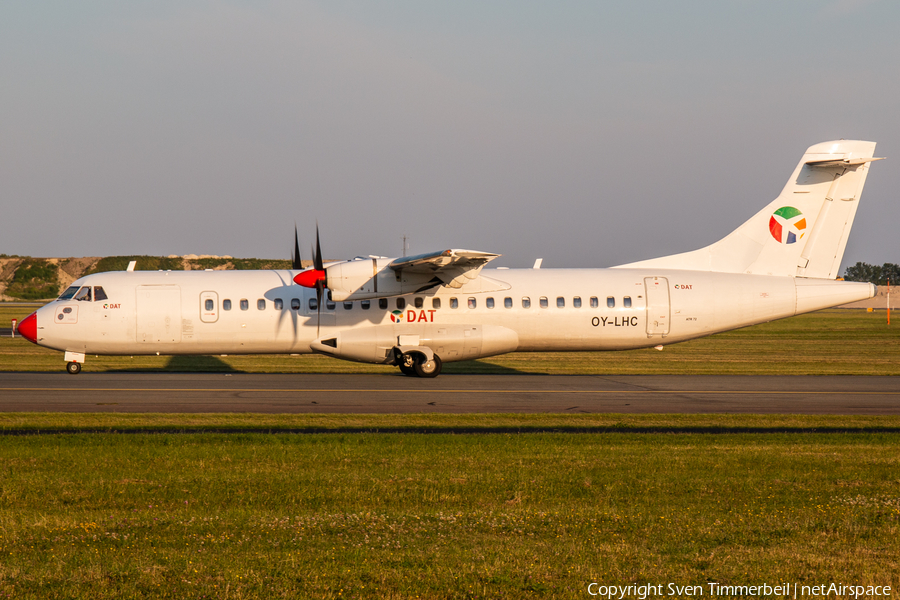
<point x="418" y="312"/>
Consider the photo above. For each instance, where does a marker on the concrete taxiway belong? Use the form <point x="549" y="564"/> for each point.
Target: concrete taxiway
<point x="280" y="393"/>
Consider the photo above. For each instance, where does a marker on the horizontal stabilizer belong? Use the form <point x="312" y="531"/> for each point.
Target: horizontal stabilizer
<point x="841" y="162"/>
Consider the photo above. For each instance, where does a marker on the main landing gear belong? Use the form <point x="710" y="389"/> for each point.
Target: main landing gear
<point x="73" y="368"/>
<point x="415" y="364"/>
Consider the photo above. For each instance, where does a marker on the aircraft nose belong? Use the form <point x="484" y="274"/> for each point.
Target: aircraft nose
<point x="28" y="328"/>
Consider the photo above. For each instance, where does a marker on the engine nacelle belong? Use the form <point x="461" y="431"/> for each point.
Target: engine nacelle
<point x="367" y="278"/>
<point x="450" y="342"/>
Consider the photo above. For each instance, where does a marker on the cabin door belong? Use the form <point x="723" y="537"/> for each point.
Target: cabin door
<point x="658" y="308"/>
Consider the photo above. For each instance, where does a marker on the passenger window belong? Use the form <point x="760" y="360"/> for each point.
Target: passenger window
<point x="576" y="302"/>
<point x="348" y="306"/>
<point x="610" y="302"/>
<point x="526" y="302"/>
<point x="226" y="304"/>
<point x="279" y="304"/>
<point x="313" y="304"/>
<point x="401" y="303"/>
<point x="209" y="304"/>
<point x="329" y="304"/>
<point x="84" y="294"/>
<point x="626" y="301"/>
<point x="419" y="301"/>
<point x="365" y="304"/>
<point x="560" y="302"/>
<point x="507" y="302"/>
<point x="472" y="303"/>
<point x="69" y="293"/>
<point x="99" y="294"/>
<point x="295" y="303"/>
<point x="435" y="303"/>
<point x="382" y="303"/>
<point x="544" y="302"/>
<point x="261" y="304"/>
<point x="594" y="302"/>
<point x="245" y="304"/>
<point x="490" y="303"/>
<point x="454" y="303"/>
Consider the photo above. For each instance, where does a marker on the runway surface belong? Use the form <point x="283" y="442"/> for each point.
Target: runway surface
<point x="239" y="393"/>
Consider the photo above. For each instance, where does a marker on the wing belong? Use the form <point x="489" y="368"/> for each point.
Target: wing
<point x="452" y="267"/>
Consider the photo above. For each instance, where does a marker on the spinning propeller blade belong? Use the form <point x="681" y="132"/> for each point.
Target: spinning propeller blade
<point x="317" y="259"/>
<point x="312" y="278"/>
<point x="296" y="263"/>
<point x="315" y="277"/>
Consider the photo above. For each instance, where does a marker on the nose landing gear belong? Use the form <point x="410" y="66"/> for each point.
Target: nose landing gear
<point x="74" y="360"/>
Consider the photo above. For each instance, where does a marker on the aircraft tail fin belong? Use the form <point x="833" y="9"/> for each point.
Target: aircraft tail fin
<point x="803" y="232"/>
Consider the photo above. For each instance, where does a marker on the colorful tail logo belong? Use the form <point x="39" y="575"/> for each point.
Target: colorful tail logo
<point x="787" y="225"/>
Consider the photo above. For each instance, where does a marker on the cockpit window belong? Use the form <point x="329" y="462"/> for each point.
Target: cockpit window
<point x="69" y="293"/>
<point x="84" y="294"/>
<point x="99" y="294"/>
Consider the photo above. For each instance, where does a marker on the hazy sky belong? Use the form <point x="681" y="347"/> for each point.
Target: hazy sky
<point x="588" y="133"/>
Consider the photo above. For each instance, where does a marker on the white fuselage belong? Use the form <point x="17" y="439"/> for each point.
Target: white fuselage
<point x="503" y="310"/>
<point x="419" y="311"/>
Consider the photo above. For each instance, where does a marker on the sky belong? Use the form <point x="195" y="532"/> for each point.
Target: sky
<point x="586" y="133"/>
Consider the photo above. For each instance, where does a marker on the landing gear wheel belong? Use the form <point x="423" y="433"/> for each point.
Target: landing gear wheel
<point x="407" y="364"/>
<point x="429" y="368"/>
<point x="73" y="368"/>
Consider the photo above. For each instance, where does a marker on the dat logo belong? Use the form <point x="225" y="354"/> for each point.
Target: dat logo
<point x="412" y="316"/>
<point x="426" y="316"/>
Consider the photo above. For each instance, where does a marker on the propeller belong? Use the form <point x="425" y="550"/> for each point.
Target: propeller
<point x="315" y="278"/>
<point x="296" y="263"/>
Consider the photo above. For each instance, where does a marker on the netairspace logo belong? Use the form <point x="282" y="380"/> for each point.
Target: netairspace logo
<point x="717" y="590"/>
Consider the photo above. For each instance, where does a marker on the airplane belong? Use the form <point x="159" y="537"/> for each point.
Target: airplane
<point x="418" y="312"/>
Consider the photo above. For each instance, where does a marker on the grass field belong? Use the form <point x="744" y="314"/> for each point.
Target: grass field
<point x="172" y="506"/>
<point x="829" y="342"/>
<point x="536" y="515"/>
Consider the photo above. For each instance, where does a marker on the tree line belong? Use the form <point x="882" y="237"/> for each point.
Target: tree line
<point x="873" y="273"/>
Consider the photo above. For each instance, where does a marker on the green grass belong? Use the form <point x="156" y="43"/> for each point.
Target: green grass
<point x="250" y="264"/>
<point x="156" y="263"/>
<point x="16" y="310"/>
<point x="829" y="342"/>
<point x="144" y="263"/>
<point x="20" y="423"/>
<point x="535" y="515"/>
<point x="34" y="279"/>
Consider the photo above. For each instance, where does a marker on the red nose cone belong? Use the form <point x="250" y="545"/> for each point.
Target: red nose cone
<point x="28" y="328"/>
<point x="309" y="278"/>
